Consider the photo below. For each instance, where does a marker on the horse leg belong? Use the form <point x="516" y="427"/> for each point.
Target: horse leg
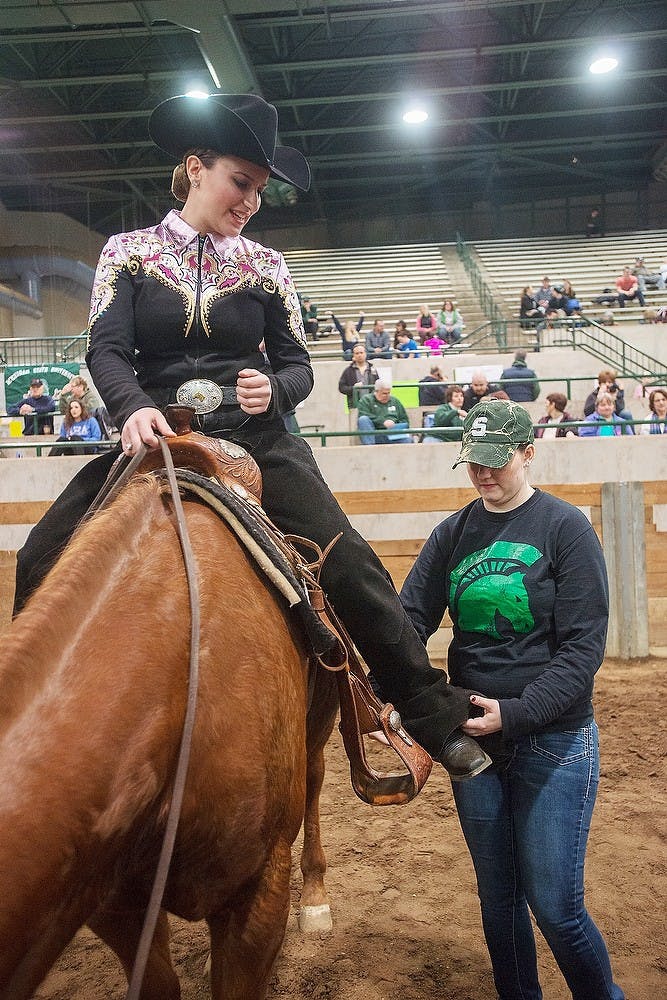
<point x="246" y="938"/>
<point x="121" y="930"/>
<point x="314" y="911"/>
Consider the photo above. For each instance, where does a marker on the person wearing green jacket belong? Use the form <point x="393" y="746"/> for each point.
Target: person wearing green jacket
<point x="449" y="416"/>
<point x="380" y="411"/>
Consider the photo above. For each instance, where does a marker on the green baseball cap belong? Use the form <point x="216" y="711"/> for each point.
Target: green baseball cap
<point x="492" y="432"/>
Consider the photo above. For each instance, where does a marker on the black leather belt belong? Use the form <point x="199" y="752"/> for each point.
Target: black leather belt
<point x="205" y="396"/>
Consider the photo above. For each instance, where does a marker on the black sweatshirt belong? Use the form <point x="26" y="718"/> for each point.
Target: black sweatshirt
<point x="527" y="594"/>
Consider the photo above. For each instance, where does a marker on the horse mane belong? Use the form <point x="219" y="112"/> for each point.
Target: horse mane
<point x="54" y="611"/>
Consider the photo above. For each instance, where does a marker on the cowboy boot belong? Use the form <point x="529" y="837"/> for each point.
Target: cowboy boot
<point x="462" y="757"/>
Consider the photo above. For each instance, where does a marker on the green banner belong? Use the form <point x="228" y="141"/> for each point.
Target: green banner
<point x="19" y="377"/>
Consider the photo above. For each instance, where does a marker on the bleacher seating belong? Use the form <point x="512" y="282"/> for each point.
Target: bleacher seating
<point x="391" y="282"/>
<point x="590" y="264"/>
<point x="388" y="283"/>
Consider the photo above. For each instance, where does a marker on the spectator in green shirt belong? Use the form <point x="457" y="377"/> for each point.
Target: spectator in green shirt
<point x="379" y="411"/>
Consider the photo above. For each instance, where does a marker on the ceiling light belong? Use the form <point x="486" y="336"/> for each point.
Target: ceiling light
<point x="603" y="65"/>
<point x="415" y="116"/>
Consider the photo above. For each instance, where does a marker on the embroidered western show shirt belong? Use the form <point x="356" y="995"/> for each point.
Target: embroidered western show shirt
<point x="169" y="305"/>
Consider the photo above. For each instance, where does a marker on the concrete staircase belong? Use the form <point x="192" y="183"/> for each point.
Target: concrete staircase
<point x="465" y="296"/>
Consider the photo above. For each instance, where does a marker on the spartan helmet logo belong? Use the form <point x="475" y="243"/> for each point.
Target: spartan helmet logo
<point x="487" y="593"/>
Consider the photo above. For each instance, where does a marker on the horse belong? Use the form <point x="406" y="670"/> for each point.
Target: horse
<point x="94" y="678"/>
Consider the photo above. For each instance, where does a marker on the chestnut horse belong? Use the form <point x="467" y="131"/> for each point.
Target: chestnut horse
<point x="93" y="681"/>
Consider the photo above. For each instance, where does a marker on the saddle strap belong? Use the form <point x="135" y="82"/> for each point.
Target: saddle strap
<point x="362" y="712"/>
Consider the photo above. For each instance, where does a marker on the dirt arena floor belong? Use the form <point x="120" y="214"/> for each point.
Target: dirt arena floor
<point x="406" y="919"/>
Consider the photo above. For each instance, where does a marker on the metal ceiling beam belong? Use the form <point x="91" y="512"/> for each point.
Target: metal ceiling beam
<point x="471" y="88"/>
<point x="570" y="113"/>
<point x="96" y="81"/>
<point x="92" y="34"/>
<point x="328" y="15"/>
<point x="372" y="158"/>
<point x="532" y="45"/>
<point x="468" y="88"/>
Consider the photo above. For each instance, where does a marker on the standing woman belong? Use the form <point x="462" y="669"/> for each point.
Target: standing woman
<point x="349" y="334"/>
<point x="178" y="313"/>
<point x="523" y="577"/>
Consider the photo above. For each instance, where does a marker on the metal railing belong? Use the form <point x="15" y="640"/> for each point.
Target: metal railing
<point x="40" y="447"/>
<point x="485" y="296"/>
<point x="42" y="350"/>
<point x="18" y="444"/>
<point x="568" y="380"/>
<point x="579" y="334"/>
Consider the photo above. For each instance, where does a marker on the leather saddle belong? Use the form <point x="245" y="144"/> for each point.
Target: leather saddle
<point x="231" y="477"/>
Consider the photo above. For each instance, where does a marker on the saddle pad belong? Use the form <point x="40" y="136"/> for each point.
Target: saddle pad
<point x="245" y="517"/>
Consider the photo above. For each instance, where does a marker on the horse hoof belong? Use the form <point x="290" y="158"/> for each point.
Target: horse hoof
<point x="313" y="919"/>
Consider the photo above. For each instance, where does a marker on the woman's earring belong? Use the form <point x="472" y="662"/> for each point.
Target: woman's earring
<point x="526" y="465"/>
<point x="195" y="184"/>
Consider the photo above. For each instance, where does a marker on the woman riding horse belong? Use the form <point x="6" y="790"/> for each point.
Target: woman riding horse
<point x="177" y="315"/>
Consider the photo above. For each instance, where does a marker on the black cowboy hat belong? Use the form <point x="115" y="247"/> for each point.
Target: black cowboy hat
<point x="242" y="125"/>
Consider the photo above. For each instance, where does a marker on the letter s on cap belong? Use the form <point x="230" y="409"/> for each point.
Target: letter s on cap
<point x="478" y="428"/>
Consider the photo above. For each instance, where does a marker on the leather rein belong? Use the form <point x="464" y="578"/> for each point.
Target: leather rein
<point x="110" y="489"/>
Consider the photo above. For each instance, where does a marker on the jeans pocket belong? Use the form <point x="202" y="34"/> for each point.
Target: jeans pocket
<point x="564" y="747"/>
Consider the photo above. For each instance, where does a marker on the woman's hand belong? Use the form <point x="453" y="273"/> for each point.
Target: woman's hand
<point x="490" y="722"/>
<point x="253" y="390"/>
<point x="143" y="427"/>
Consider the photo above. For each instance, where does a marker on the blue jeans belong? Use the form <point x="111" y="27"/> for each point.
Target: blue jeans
<point x="526" y="824"/>
<point x="365" y="423"/>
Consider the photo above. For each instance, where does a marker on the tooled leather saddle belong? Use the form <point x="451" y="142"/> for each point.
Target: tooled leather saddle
<point x="224" y="476"/>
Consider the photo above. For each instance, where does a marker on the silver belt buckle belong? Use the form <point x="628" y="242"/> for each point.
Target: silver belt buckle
<point x="202" y="394"/>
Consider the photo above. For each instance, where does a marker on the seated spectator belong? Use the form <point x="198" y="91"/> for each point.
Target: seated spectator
<point x="349" y="334"/>
<point x="78" y="425"/>
<point x="543" y="294"/>
<point x="604" y="422"/>
<point x="36" y="400"/>
<point x="359" y="373"/>
<point x="607" y="383"/>
<point x="449" y="416"/>
<point x="78" y="388"/>
<point x="528" y="308"/>
<point x="479" y="388"/>
<point x="435" y="344"/>
<point x="628" y="288"/>
<point x="378" y="344"/>
<point x="425" y="324"/>
<point x="309" y="317"/>
<point x="520" y="391"/>
<point x="572" y="303"/>
<point x="556" y="414"/>
<point x="558" y="302"/>
<point x="647" y="277"/>
<point x="450" y="322"/>
<point x="432" y="388"/>
<point x="407" y="347"/>
<point x="657" y="402"/>
<point x="594" y="224"/>
<point x="379" y="410"/>
<point x="399" y="327"/>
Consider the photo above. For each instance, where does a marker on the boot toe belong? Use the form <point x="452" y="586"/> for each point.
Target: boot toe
<point x="463" y="758"/>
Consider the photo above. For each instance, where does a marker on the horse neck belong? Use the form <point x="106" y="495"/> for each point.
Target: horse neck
<point x="87" y="730"/>
<point x="80" y="669"/>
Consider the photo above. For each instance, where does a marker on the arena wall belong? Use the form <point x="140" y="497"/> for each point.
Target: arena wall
<point x="395" y="494"/>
